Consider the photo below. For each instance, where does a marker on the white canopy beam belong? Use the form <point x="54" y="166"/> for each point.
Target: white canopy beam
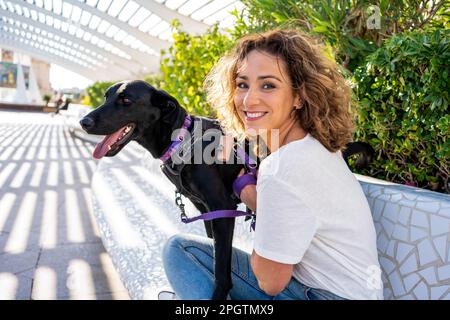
<point x="129" y="54"/>
<point x="123" y="65"/>
<point x="141" y="57"/>
<point x="50" y="58"/>
<point x="101" y="69"/>
<point x="154" y="42"/>
<point x="187" y="24"/>
<point x="5" y="24"/>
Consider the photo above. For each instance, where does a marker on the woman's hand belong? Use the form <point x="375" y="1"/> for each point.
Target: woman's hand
<point x="248" y="194"/>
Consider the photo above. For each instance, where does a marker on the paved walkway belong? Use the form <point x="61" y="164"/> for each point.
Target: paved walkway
<point x="50" y="247"/>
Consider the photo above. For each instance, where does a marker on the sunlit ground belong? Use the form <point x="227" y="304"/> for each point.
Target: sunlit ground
<point x="50" y="247"/>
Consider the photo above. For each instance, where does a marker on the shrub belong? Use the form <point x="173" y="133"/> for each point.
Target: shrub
<point x="156" y="80"/>
<point x="47" y="99"/>
<point x="96" y="93"/>
<point x="186" y="64"/>
<point x="403" y="93"/>
<point x="342" y="24"/>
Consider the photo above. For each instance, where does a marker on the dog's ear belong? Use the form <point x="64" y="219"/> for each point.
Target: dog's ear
<point x="168" y="105"/>
<point x="162" y="99"/>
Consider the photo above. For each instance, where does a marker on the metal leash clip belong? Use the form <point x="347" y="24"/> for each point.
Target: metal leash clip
<point x="180" y="204"/>
<point x="251" y="217"/>
<point x="253" y="223"/>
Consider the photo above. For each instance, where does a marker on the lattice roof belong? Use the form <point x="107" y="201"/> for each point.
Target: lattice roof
<point x="104" y="39"/>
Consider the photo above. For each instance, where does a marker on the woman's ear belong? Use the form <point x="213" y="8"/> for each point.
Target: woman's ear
<point x="297" y="102"/>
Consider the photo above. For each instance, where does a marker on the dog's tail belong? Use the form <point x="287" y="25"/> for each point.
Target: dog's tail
<point x="365" y="151"/>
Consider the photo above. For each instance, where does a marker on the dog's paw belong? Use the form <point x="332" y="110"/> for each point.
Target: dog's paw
<point x="219" y="294"/>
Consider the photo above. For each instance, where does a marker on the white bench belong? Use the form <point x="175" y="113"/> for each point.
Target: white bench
<point x="134" y="207"/>
<point x="413" y="239"/>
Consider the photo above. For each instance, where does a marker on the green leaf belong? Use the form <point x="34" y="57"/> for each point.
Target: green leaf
<point x="320" y="29"/>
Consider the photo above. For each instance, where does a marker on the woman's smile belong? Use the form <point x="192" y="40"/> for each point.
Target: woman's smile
<point x="254" y="115"/>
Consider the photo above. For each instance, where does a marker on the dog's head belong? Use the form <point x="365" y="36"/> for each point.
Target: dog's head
<point x="130" y="108"/>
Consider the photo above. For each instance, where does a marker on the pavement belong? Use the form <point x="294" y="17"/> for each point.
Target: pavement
<point x="50" y="245"/>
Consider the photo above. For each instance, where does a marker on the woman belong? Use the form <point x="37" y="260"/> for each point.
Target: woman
<point x="314" y="236"/>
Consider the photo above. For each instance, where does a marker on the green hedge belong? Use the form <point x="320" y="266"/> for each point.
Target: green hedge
<point x="186" y="64"/>
<point x="403" y="93"/>
<point x="342" y="24"/>
<point x="96" y="92"/>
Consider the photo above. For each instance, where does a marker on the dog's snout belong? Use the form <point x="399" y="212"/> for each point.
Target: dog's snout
<point x="87" y="123"/>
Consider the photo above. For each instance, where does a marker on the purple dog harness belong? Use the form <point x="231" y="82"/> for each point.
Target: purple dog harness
<point x="174" y="145"/>
<point x="242" y="181"/>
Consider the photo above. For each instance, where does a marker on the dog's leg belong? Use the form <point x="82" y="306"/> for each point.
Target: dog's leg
<point x="208" y="183"/>
<point x="223" y="229"/>
<point x="208" y="228"/>
<point x="208" y="224"/>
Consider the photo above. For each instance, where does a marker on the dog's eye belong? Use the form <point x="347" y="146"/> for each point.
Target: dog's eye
<point x="126" y="101"/>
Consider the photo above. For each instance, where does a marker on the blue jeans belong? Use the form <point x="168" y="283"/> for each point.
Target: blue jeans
<point x="189" y="266"/>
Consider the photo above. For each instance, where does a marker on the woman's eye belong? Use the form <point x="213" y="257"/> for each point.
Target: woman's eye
<point x="268" y="86"/>
<point x="265" y="86"/>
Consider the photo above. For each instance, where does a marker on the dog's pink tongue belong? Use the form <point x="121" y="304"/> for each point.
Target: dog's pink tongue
<point x="103" y="147"/>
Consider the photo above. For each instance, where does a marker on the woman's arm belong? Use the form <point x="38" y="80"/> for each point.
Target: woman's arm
<point x="272" y="276"/>
<point x="248" y="196"/>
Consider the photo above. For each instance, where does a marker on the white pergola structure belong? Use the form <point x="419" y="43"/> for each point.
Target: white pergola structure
<point x="105" y="40"/>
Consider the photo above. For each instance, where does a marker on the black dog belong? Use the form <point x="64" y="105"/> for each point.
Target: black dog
<point x="134" y="110"/>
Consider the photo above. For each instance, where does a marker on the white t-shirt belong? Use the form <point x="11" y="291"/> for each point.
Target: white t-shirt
<point x="312" y="212"/>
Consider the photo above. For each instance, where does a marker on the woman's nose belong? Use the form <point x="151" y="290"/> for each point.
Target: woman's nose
<point x="251" y="98"/>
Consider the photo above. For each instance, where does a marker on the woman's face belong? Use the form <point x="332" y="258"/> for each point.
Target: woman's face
<point x="264" y="97"/>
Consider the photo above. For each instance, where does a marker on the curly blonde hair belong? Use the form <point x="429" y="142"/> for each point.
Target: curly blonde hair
<point x="324" y="93"/>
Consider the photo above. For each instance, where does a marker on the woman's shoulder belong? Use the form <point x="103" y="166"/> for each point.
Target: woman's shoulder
<point x="299" y="158"/>
<point x="300" y="150"/>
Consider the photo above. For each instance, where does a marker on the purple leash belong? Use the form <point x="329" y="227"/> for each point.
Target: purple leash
<point x="220" y="214"/>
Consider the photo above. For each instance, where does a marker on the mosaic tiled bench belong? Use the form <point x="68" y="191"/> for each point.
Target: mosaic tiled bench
<point x="134" y="207"/>
<point x="413" y="239"/>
